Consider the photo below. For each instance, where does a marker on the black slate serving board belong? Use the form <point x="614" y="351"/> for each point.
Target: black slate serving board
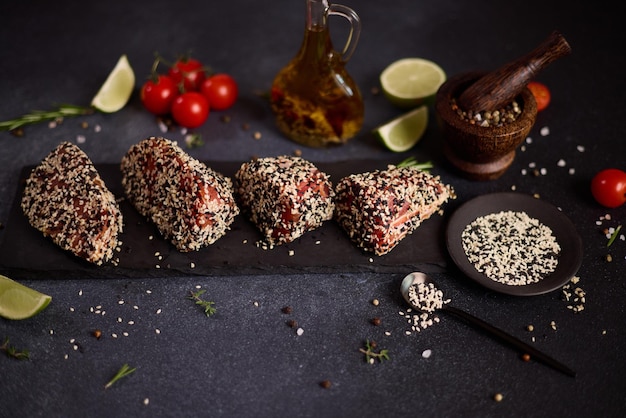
<point x="26" y="253"/>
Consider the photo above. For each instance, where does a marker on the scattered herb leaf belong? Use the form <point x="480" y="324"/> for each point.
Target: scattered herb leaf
<point x="37" y="116"/>
<point x="209" y="309"/>
<point x="412" y="162"/>
<point x="370" y="352"/>
<point x="13" y="352"/>
<point x="124" y="371"/>
<point x="614" y="236"/>
<point x="194" y="140"/>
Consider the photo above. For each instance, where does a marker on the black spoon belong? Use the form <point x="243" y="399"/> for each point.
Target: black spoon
<point x="420" y="292"/>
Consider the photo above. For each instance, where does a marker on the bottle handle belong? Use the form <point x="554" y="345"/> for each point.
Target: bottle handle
<point x="355" y="28"/>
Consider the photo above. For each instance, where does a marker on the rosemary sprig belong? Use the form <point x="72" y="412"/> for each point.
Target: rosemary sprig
<point x="412" y="162"/>
<point x="13" y="352"/>
<point x="37" y="116"/>
<point x="209" y="309"/>
<point x="371" y="355"/>
<point x="124" y="371"/>
<point x="194" y="140"/>
<point x="614" y="236"/>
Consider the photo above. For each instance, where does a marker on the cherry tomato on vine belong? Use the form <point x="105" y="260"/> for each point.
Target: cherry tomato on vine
<point x="157" y="96"/>
<point x="221" y="91"/>
<point x="609" y="187"/>
<point x="190" y="109"/>
<point x="541" y="93"/>
<point x="189" y="72"/>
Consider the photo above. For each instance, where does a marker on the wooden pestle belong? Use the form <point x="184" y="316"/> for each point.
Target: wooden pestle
<point x="498" y="88"/>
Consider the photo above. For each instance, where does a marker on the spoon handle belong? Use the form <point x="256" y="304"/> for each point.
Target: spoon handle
<point x="507" y="338"/>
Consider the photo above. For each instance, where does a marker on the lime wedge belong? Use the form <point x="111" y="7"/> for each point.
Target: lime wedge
<point x="411" y="82"/>
<point x="117" y="88"/>
<point x="20" y="302"/>
<point x="403" y="132"/>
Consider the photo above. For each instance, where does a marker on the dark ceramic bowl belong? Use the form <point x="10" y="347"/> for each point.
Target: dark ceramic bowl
<point x="478" y="152"/>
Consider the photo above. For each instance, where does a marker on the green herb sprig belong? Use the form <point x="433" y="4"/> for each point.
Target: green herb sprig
<point x="614" y="236"/>
<point x="13" y="352"/>
<point x="208" y="307"/>
<point x="124" y="371"/>
<point x="370" y="352"/>
<point x="413" y="163"/>
<point x="37" y="116"/>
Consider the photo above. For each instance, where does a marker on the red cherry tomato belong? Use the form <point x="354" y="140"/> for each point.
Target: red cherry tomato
<point x="541" y="93"/>
<point x="221" y="91"/>
<point x="190" y="109"/>
<point x="609" y="187"/>
<point x="189" y="72"/>
<point x="157" y="96"/>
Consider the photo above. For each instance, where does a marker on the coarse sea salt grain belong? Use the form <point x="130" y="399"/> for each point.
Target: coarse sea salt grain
<point x="426" y="353"/>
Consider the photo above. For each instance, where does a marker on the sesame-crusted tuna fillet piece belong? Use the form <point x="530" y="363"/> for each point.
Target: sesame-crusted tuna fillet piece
<point x="191" y="204"/>
<point x="66" y="199"/>
<point x="378" y="209"/>
<point x="284" y="196"/>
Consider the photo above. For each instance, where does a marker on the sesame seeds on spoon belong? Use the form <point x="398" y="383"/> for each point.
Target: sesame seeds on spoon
<point x="421" y="293"/>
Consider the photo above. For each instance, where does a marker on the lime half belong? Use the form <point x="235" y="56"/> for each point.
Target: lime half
<point x="117" y="88"/>
<point x="411" y="82"/>
<point x="20" y="302"/>
<point x="403" y="132"/>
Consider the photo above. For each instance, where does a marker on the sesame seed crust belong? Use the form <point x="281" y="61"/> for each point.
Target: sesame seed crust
<point x="191" y="204"/>
<point x="66" y="199"/>
<point x="378" y="209"/>
<point x="284" y="196"/>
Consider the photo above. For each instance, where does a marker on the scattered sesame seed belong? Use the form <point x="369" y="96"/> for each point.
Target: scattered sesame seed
<point x="146" y="401"/>
<point x="291" y="253"/>
<point x="498" y="397"/>
<point x="158" y="331"/>
<point x="158" y="311"/>
<point x="135" y="307"/>
<point x="80" y="139"/>
<point x="375" y="302"/>
<point x="51" y="331"/>
<point x="553" y="325"/>
<point x="125" y="334"/>
<point x="66" y="356"/>
<point x="545" y="131"/>
<point x="426" y="353"/>
<point x="80" y="292"/>
<point x="530" y="327"/>
<point x="120" y="302"/>
<point x="192" y="265"/>
<point x="300" y="331"/>
<point x="131" y="322"/>
<point x="256" y="303"/>
<point x="580" y="148"/>
<point x="561" y="163"/>
<point x="71" y="309"/>
<point x="114" y="335"/>
<point x="149" y="291"/>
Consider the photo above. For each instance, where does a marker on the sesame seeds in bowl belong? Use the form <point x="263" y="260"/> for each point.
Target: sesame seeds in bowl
<point x="514" y="243"/>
